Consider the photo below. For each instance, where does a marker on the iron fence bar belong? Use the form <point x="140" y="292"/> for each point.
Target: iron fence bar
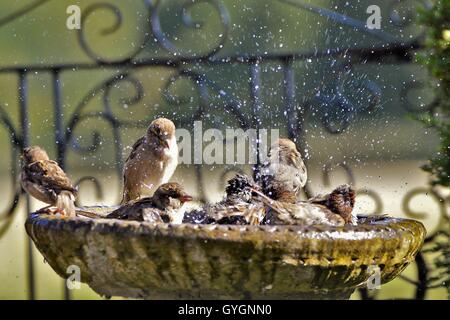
<point x="59" y="119"/>
<point x="422" y="268"/>
<point x="23" y="105"/>
<point x="255" y="100"/>
<point x="289" y="96"/>
<point x="341" y="19"/>
<point x="401" y="52"/>
<point x="19" y="13"/>
<point x="203" y="105"/>
<point x="294" y="122"/>
<point x="25" y="124"/>
<point x="59" y="135"/>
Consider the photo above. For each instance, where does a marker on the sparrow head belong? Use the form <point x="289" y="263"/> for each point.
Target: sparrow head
<point x="241" y="186"/>
<point x="170" y="196"/>
<point x="342" y="200"/>
<point x="162" y="129"/>
<point x="285" y="149"/>
<point x="286" y="144"/>
<point x="33" y="154"/>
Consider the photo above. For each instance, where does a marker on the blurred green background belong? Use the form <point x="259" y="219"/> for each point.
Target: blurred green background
<point x="383" y="145"/>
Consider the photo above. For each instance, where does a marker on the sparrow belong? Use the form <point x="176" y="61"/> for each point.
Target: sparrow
<point x="238" y="206"/>
<point x="340" y="201"/>
<point x="152" y="160"/>
<point x="44" y="180"/>
<point x="284" y="168"/>
<point x="300" y="213"/>
<point x="166" y="205"/>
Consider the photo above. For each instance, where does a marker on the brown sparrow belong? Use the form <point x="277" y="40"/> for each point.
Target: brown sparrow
<point x="300" y="213"/>
<point x="44" y="180"/>
<point x="166" y="205"/>
<point x="152" y="161"/>
<point x="238" y="207"/>
<point x="284" y="167"/>
<point x="340" y="201"/>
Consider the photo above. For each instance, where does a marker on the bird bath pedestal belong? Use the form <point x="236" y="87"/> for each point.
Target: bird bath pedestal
<point x="141" y="260"/>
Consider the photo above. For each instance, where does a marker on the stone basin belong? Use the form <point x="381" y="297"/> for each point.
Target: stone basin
<point x="161" y="261"/>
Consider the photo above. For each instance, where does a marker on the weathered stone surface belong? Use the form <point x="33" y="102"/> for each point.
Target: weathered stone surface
<point x="142" y="260"/>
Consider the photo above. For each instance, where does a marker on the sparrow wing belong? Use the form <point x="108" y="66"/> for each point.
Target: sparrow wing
<point x="135" y="149"/>
<point x="296" y="161"/>
<point x="49" y="175"/>
<point x="120" y="213"/>
<point x="154" y="215"/>
<point x="128" y="191"/>
<point x="293" y="159"/>
<point x="198" y="216"/>
<point x="132" y="210"/>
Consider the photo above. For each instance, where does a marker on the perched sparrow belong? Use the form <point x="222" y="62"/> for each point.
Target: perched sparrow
<point x="43" y="179"/>
<point x="152" y="161"/>
<point x="238" y="207"/>
<point x="341" y="201"/>
<point x="166" y="205"/>
<point x="300" y="213"/>
<point x="284" y="167"/>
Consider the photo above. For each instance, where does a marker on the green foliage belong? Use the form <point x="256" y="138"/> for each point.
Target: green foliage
<point x="439" y="165"/>
<point x="436" y="58"/>
<point x="440" y="276"/>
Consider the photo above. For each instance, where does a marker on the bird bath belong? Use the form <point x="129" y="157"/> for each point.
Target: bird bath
<point x="158" y="261"/>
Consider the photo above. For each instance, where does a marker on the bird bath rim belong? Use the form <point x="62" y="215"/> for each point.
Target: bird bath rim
<point x="145" y="260"/>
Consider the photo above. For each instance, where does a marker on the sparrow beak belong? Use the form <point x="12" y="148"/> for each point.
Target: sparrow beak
<point x="185" y="198"/>
<point x="165" y="143"/>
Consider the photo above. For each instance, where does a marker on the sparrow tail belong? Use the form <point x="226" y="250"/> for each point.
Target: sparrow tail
<point x="66" y="201"/>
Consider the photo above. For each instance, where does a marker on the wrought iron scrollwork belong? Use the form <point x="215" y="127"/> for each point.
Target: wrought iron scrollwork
<point x="84" y="44"/>
<point x="154" y="6"/>
<point x="351" y="179"/>
<point x="334" y="100"/>
<point x="99" y="193"/>
<point x="21" y="12"/>
<point x="16" y="144"/>
<point x="107" y="114"/>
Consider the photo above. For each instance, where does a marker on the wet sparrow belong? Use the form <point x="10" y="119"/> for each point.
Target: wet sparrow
<point x="44" y="180"/>
<point x="341" y="201"/>
<point x="166" y="205"/>
<point x="284" y="167"/>
<point x="238" y="207"/>
<point x="152" y="161"/>
<point x="300" y="213"/>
